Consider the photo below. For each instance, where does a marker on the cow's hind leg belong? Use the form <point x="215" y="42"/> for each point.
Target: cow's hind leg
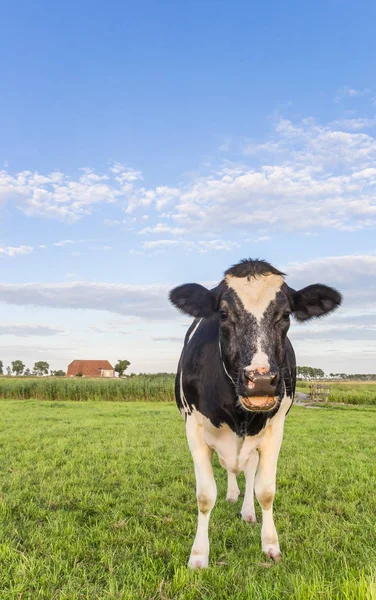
<point x="206" y="491"/>
<point x="232" y="488"/>
<point x="248" y="512"/>
<point x="265" y="486"/>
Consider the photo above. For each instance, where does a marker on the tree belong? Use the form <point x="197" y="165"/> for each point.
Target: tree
<point x="27" y="372"/>
<point x="121" y="366"/>
<point x="18" y="367"/>
<point x="9" y="372"/>
<point x="309" y="373"/>
<point x="58" y="373"/>
<point x="1" y="368"/>
<point x="41" y="367"/>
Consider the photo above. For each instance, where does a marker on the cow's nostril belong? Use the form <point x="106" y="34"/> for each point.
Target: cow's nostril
<point x="250" y="375"/>
<point x="274" y="379"/>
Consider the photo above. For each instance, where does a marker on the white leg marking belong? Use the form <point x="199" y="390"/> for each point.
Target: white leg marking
<point x="248" y="509"/>
<point x="232" y="488"/>
<point x="206" y="489"/>
<point x="265" y="486"/>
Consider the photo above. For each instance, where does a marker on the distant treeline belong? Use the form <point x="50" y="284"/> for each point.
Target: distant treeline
<point x="308" y="373"/>
<point x="354" y="376"/>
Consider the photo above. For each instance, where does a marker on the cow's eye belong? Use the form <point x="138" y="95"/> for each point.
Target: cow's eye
<point x="223" y="314"/>
<point x="286" y="315"/>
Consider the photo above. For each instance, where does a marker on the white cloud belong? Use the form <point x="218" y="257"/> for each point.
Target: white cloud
<point x="15" y="250"/>
<point x="162" y="228"/>
<point x="59" y="196"/>
<point x="22" y="330"/>
<point x="160" y="196"/>
<point x="201" y="246"/>
<point x="148" y="301"/>
<point x="349" y="92"/>
<point x="355" y="320"/>
<point x="161" y="244"/>
<point x="112" y="222"/>
<point x="311" y="176"/>
<point x="260" y="238"/>
<point x="354" y="124"/>
<point x="351" y="271"/>
<point x="125" y="175"/>
<point x="64" y="243"/>
<point x="334" y="332"/>
<point x="305" y="176"/>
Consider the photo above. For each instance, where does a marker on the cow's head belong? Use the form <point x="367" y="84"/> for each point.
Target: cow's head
<point x="253" y="305"/>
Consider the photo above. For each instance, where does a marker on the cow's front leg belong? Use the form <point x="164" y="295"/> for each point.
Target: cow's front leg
<point x="265" y="486"/>
<point x="232" y="488"/>
<point x="206" y="491"/>
<point x="248" y="512"/>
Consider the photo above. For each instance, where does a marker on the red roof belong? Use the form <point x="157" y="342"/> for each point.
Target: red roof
<point x="88" y="368"/>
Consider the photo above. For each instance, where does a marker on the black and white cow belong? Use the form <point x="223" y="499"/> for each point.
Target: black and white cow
<point x="236" y="382"/>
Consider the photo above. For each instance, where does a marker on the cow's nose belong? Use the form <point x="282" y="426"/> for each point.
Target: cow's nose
<point x="261" y="382"/>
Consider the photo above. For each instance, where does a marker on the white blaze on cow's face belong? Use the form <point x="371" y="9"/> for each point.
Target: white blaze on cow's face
<point x="255" y="293"/>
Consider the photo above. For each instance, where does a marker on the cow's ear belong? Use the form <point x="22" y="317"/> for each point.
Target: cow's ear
<point x="314" y="301"/>
<point x="194" y="299"/>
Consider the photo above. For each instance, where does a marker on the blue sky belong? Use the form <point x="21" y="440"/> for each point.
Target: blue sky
<point x="143" y="145"/>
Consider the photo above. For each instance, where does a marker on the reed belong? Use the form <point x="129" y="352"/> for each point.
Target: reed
<point x="153" y="388"/>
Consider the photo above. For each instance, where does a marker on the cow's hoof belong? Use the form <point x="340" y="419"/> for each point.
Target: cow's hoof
<point x="249" y="517"/>
<point x="198" y="561"/>
<point x="233" y="498"/>
<point x="274" y="553"/>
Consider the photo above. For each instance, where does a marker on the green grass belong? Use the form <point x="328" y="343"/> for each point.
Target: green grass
<point x="353" y="392"/>
<point x="153" y="388"/>
<point x="97" y="501"/>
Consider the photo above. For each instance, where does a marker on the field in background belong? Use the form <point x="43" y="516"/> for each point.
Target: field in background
<point x="152" y="388"/>
<point x="98" y="502"/>
<point x="349" y="392"/>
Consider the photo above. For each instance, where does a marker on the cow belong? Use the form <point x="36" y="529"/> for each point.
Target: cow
<point x="235" y="384"/>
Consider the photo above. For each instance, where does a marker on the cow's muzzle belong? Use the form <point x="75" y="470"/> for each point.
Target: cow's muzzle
<point x="260" y="389"/>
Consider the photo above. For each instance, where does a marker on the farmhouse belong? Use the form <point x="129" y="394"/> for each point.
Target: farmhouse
<point x="90" y="368"/>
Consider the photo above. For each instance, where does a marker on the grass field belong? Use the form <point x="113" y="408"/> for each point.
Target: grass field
<point x="97" y="501"/>
<point x="351" y="392"/>
<point x="151" y="388"/>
